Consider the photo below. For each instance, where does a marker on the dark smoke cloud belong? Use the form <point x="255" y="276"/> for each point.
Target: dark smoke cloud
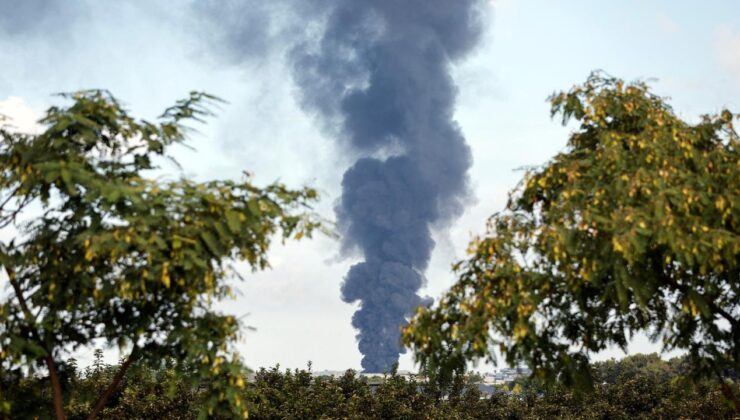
<point x="380" y="72"/>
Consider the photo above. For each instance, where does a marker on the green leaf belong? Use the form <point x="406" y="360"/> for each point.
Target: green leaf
<point x="67" y="178"/>
<point x="232" y="219"/>
<point x="254" y="207"/>
<point x="211" y="243"/>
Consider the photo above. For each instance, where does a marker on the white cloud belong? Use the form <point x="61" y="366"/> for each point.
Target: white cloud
<point x="500" y="3"/>
<point x="20" y="116"/>
<point x="667" y="25"/>
<point x="727" y="49"/>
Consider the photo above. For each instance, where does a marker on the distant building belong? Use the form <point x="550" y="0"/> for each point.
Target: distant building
<point x="489" y="385"/>
<point x="506" y="375"/>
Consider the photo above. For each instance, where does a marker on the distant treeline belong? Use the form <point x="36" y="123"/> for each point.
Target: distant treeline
<point x="640" y="386"/>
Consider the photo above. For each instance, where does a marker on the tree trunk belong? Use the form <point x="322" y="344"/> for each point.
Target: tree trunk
<point x="730" y="395"/>
<point x="113" y="386"/>
<point x="56" y="388"/>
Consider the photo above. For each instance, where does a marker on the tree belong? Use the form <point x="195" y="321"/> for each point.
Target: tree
<point x="164" y="393"/>
<point x="634" y="227"/>
<point x="102" y="252"/>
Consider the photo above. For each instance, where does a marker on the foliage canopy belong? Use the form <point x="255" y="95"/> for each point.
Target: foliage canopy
<point x="103" y="252"/>
<point x="636" y="387"/>
<point x="634" y="227"/>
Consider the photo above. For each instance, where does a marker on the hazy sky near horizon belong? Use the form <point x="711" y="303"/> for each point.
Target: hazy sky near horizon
<point x="150" y="53"/>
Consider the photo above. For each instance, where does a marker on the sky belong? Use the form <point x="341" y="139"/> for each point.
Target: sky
<point x="151" y="53"/>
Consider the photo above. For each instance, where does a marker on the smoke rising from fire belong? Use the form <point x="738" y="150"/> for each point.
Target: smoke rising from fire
<point x="380" y="72"/>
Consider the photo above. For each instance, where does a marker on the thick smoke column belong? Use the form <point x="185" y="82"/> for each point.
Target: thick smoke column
<point x="381" y="72"/>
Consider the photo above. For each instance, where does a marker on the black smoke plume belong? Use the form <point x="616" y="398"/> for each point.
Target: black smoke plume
<point x="380" y="71"/>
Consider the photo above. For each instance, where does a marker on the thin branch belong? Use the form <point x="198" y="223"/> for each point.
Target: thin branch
<point x="713" y="306"/>
<point x="10" y="197"/>
<point x="716" y="308"/>
<point x="113" y="386"/>
<point x="11" y="218"/>
<point x="19" y="294"/>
